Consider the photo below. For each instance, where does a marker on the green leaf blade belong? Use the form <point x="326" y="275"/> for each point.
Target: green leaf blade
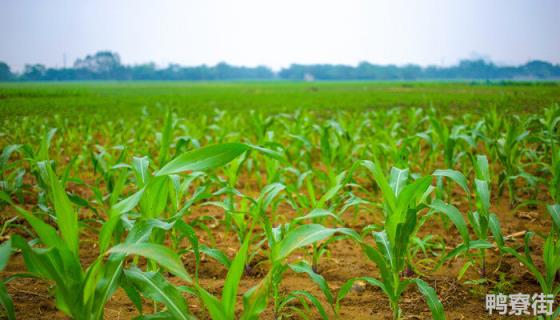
<point x="159" y="253"/>
<point x="209" y="157"/>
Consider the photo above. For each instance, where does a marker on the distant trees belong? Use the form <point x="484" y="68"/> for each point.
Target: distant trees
<point x="34" y="72"/>
<point x="106" y="65"/>
<point x="5" y="72"/>
<point x="101" y="62"/>
<point x="221" y="71"/>
<point x="541" y="69"/>
<point x="102" y="65"/>
<point x="466" y="69"/>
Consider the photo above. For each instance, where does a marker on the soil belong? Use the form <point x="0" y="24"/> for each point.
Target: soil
<point x="461" y="299"/>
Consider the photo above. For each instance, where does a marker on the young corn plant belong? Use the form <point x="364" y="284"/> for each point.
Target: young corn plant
<point x="224" y="307"/>
<point x="81" y="292"/>
<point x="552" y="140"/>
<point x="319" y="209"/>
<point x="509" y="150"/>
<point x="547" y="278"/>
<point x="402" y="201"/>
<point x="282" y="241"/>
<point x="448" y="139"/>
<point x="482" y="221"/>
<point x="32" y="156"/>
<point x="249" y="210"/>
<point x="456" y="143"/>
<point x="303" y="267"/>
<point x="220" y="155"/>
<point x="156" y="190"/>
<point x="11" y="173"/>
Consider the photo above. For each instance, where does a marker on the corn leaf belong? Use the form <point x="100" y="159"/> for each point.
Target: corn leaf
<point x="188" y="231"/>
<point x="300" y="237"/>
<point x="398" y="180"/>
<point x="384" y="268"/>
<point x="159" y="253"/>
<point x="7" y="302"/>
<point x="304" y="267"/>
<point x="166" y="138"/>
<point x="154" y="286"/>
<point x="5" y="253"/>
<point x="379" y="177"/>
<point x="216" y="254"/>
<point x="494" y="225"/>
<point x="313" y="300"/>
<point x="317" y="213"/>
<point x="256" y="298"/>
<point x="204" y="158"/>
<point x="455" y="216"/>
<point x="456" y="176"/>
<point x="5" y="299"/>
<point x="384" y="245"/>
<point x="482" y="168"/>
<point x="554" y="211"/>
<point x="67" y="218"/>
<point x="431" y="299"/>
<point x="233" y="277"/>
<point x="483" y="195"/>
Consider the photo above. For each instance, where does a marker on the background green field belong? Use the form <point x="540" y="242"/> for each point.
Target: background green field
<point x="128" y="98"/>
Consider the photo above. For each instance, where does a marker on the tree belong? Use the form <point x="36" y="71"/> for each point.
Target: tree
<point x="540" y="69"/>
<point x="5" y="73"/>
<point x="106" y="65"/>
<point x="102" y="65"/>
<point x="34" y="72"/>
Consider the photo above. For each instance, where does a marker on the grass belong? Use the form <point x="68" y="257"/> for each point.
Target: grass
<point x="128" y="98"/>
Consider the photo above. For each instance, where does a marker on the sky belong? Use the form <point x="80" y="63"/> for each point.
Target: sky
<point x="278" y="33"/>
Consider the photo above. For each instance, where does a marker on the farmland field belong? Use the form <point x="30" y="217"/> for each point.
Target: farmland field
<point x="277" y="200"/>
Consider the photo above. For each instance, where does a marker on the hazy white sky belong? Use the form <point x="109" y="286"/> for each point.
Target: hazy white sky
<point x="277" y="33"/>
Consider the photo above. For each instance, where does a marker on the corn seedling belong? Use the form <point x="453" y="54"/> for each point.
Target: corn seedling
<point x="481" y="221"/>
<point x="551" y="257"/>
<point x="509" y="150"/>
<point x="401" y="202"/>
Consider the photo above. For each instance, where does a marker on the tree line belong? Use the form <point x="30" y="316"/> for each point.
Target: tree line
<point x="106" y="65"/>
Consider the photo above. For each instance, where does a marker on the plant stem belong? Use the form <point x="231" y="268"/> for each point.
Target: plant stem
<point x="396" y="310"/>
<point x="483" y="263"/>
<point x="395" y="302"/>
